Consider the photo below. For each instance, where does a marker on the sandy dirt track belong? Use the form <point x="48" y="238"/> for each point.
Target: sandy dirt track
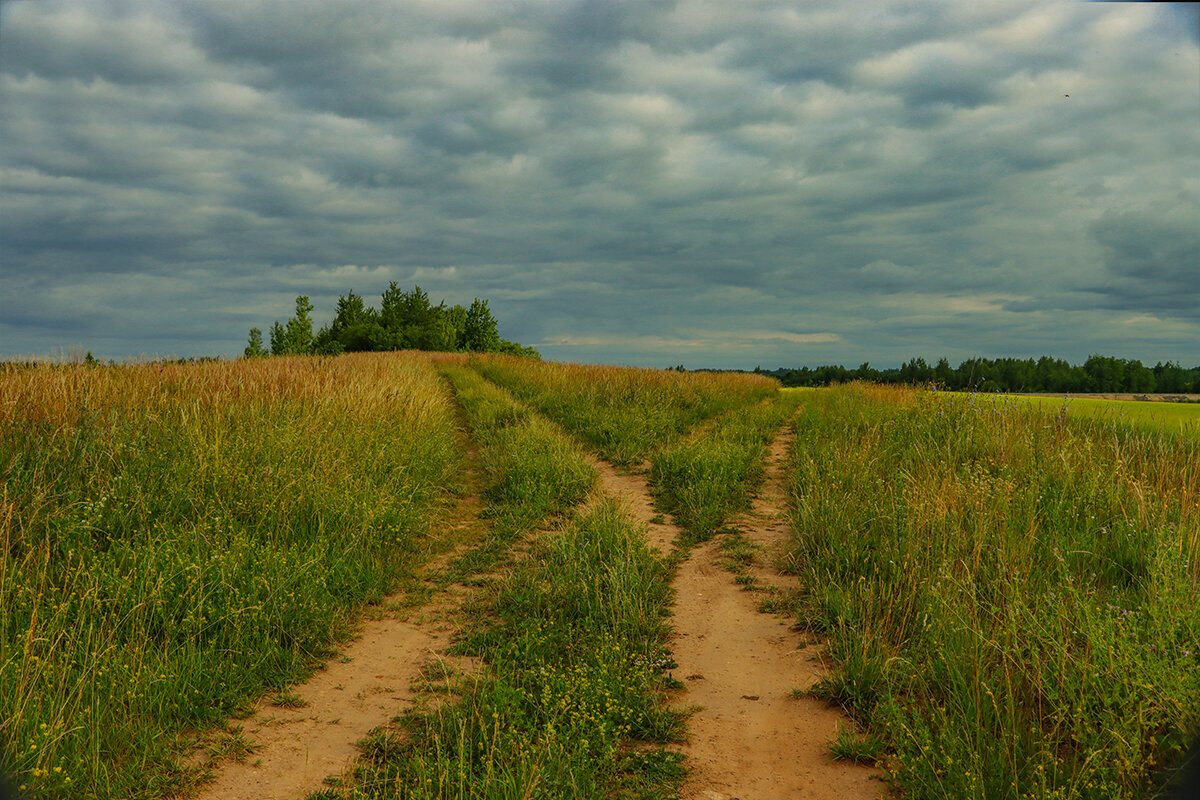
<point x="296" y="749"/>
<point x="751" y="740"/>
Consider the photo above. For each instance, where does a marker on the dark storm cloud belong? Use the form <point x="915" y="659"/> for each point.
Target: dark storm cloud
<point x="1154" y="257"/>
<point x="647" y="182"/>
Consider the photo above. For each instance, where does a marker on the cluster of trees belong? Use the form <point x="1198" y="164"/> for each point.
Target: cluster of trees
<point x="1098" y="374"/>
<point x="404" y="321"/>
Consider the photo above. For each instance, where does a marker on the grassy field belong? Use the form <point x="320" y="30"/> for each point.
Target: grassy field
<point x="1010" y="594"/>
<point x="1182" y="418"/>
<point x="179" y="539"/>
<point x="1008" y="590"/>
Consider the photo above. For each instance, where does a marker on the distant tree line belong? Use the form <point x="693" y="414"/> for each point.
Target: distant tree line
<point x="1102" y="374"/>
<point x="404" y="321"/>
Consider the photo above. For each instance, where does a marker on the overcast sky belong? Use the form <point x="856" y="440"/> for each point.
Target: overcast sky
<point x="705" y="182"/>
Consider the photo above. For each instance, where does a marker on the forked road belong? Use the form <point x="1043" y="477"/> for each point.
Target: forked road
<point x="751" y="739"/>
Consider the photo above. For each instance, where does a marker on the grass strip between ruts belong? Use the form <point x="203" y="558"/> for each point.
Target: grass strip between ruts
<point x="703" y="481"/>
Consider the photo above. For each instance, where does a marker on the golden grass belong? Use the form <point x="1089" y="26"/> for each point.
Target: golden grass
<point x="626" y="413"/>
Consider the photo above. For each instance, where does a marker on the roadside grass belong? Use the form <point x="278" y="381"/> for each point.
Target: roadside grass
<point x="704" y="480"/>
<point x="1009" y="596"/>
<point x="177" y="540"/>
<point x="625" y="413"/>
<point x="571" y="703"/>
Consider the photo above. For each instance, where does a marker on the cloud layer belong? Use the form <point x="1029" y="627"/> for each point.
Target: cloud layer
<point x="653" y="182"/>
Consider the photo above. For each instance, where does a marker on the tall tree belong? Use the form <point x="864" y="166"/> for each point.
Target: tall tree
<point x="479" y="330"/>
<point x="254" y="345"/>
<point x="299" y="331"/>
<point x="350" y="311"/>
<point x="278" y="339"/>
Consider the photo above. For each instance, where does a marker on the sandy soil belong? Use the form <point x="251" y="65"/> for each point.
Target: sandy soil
<point x="751" y="740"/>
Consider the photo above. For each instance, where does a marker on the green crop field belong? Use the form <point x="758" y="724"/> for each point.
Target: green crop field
<point x="1169" y="417"/>
<point x="1007" y="590"/>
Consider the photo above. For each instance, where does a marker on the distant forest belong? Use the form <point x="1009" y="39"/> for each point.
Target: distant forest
<point x="404" y="321"/>
<point x="1102" y="374"/>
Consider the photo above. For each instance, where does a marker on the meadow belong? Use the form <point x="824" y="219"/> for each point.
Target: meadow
<point x="1011" y="598"/>
<point x="178" y="540"/>
<point x="1007" y="593"/>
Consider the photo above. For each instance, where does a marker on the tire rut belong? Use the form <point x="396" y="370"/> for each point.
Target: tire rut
<point x="751" y="737"/>
<point x="765" y="524"/>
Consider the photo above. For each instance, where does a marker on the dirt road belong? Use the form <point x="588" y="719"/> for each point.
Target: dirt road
<point x="751" y="739"/>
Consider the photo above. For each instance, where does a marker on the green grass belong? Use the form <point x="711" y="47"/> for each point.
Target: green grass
<point x="1010" y="597"/>
<point x="178" y="540"/>
<point x="1151" y="416"/>
<point x="531" y="468"/>
<point x="704" y="480"/>
<point x="851" y="746"/>
<point x="626" y="414"/>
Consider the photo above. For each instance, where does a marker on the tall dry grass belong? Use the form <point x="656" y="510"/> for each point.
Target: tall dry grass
<point x="178" y="538"/>
<point x="625" y="413"/>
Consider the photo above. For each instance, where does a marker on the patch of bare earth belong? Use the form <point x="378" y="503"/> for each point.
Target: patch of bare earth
<point x="295" y="746"/>
<point x="751" y="738"/>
